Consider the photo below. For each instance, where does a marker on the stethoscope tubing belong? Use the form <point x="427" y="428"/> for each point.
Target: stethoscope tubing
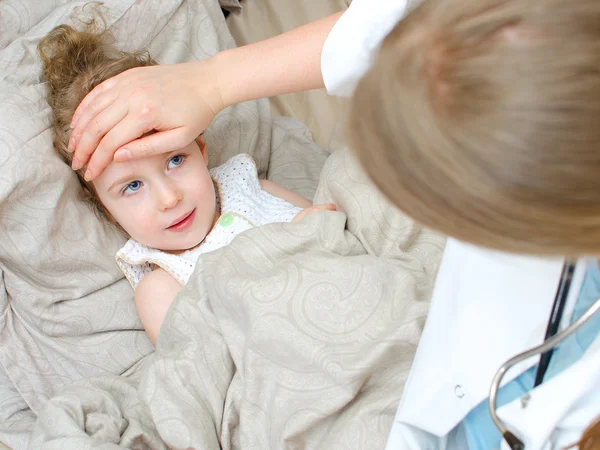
<point x="514" y="442"/>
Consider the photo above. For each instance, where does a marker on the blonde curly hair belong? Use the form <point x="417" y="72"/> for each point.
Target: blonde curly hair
<point x="73" y="63"/>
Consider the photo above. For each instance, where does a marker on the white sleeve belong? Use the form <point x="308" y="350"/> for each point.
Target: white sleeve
<point x="351" y="45"/>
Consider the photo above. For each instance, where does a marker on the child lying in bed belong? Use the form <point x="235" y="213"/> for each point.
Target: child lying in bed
<point x="170" y="205"/>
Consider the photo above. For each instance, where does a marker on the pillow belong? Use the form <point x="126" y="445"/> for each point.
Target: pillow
<point x="18" y="17"/>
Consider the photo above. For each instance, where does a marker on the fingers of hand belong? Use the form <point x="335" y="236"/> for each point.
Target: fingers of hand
<point x="159" y="142"/>
<point x="323" y="207"/>
<point x="90" y="99"/>
<point x="124" y="132"/>
<point x="95" y="132"/>
<point x="93" y="104"/>
<point x="313" y="209"/>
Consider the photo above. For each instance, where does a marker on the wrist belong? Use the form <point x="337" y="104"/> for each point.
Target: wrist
<point x="202" y="80"/>
<point x="223" y="84"/>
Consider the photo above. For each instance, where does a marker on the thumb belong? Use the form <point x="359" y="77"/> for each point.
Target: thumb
<point x="154" y="144"/>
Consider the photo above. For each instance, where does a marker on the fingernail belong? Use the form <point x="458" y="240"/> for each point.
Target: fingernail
<point x="72" y="145"/>
<point x="123" y="155"/>
<point x="75" y="164"/>
<point x="88" y="175"/>
<point x="74" y="121"/>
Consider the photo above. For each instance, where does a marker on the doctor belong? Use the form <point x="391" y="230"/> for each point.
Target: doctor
<point x="476" y="117"/>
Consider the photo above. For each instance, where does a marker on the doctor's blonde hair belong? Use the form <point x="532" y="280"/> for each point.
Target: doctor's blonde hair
<point x="591" y="438"/>
<point x="481" y="119"/>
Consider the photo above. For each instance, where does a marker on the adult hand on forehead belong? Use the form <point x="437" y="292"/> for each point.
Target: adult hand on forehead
<point x="178" y="101"/>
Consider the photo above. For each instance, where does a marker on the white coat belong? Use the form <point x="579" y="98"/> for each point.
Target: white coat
<point x="486" y="307"/>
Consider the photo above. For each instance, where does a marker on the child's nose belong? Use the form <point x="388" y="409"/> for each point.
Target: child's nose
<point x="170" y="196"/>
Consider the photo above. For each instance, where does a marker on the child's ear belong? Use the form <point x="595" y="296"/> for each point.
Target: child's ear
<point x="202" y="144"/>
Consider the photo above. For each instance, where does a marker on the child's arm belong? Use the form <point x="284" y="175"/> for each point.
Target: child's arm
<point x="153" y="297"/>
<point x="286" y="194"/>
<point x="295" y="199"/>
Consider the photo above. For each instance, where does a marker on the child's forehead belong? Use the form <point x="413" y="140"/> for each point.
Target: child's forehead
<point x="145" y="166"/>
<point x="142" y="167"/>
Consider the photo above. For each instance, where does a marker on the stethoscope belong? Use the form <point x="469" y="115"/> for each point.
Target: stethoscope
<point x="552" y="339"/>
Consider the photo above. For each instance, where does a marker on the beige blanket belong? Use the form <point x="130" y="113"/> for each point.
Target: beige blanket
<point x="294" y="336"/>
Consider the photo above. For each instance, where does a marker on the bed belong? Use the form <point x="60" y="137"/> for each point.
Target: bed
<point x="294" y="336"/>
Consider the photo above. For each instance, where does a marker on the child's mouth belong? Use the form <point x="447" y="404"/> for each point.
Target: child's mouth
<point x="184" y="222"/>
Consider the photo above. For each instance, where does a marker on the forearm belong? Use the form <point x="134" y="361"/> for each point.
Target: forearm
<point x="285" y="194"/>
<point x="289" y="62"/>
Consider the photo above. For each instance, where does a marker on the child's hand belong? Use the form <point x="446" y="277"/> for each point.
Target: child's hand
<point x="314" y="208"/>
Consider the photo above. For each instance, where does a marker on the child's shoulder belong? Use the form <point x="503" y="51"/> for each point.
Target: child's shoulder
<point x="240" y="158"/>
<point x="157" y="278"/>
<point x="242" y="161"/>
<point x="239" y="169"/>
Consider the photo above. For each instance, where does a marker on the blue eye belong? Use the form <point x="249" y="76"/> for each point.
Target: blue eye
<point x="175" y="161"/>
<point x="132" y="187"/>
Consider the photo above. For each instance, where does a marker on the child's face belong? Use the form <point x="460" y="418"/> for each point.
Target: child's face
<point x="163" y="201"/>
